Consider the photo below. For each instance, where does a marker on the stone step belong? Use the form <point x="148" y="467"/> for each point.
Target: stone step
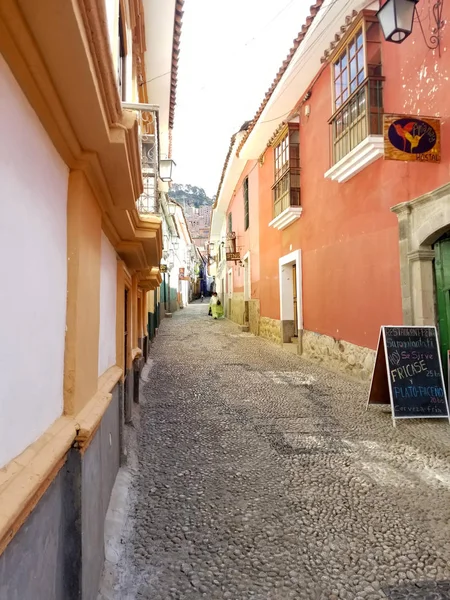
<point x="293" y="348"/>
<point x="245" y="328"/>
<point x="294" y="340"/>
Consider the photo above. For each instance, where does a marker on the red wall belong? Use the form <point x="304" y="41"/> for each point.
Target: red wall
<point x="246" y="240"/>
<point x="347" y="233"/>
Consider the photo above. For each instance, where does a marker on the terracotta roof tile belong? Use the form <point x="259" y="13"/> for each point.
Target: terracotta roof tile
<point x="314" y="9"/>
<point x="225" y="165"/>
<point x="349" y="20"/>
<point x="175" y="56"/>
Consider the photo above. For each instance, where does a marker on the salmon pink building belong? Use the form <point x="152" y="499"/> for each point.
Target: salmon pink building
<point x="334" y="204"/>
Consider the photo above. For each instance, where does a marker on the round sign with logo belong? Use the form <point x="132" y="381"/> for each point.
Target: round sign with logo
<point x="412" y="135"/>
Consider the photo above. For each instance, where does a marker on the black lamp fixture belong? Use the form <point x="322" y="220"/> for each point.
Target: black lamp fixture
<point x="396" y="19"/>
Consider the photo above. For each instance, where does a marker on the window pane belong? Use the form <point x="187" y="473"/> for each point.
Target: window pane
<point x="344" y="79"/>
<point x="353" y="69"/>
<point x="352" y="49"/>
<point x="360" y="57"/>
<point x="359" y="39"/>
<point x="338" y="87"/>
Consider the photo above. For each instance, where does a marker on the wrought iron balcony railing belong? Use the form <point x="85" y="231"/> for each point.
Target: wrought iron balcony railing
<point x="148" y="202"/>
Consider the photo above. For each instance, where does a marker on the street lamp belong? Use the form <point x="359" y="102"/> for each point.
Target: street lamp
<point x="172" y="209"/>
<point x="396" y="19"/>
<point x="176" y="244"/>
<point x="165" y="169"/>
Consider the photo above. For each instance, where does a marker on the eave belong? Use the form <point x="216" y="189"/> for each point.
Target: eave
<point x="298" y="75"/>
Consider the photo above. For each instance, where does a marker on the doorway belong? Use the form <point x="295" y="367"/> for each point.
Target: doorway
<point x="247" y="287"/>
<point x="291" y="310"/>
<point x="294" y="297"/>
<point x="230" y="291"/>
<point x="442" y="279"/>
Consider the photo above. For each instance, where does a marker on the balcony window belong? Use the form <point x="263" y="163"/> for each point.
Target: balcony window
<point x="357" y="90"/>
<point x="286" y="188"/>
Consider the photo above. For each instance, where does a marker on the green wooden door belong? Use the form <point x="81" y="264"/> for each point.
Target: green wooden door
<point x="442" y="266"/>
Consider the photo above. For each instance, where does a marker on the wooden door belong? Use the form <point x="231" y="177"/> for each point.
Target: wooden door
<point x="294" y="296"/>
<point x="442" y="270"/>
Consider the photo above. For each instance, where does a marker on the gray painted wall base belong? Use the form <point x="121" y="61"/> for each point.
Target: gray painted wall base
<point x="58" y="553"/>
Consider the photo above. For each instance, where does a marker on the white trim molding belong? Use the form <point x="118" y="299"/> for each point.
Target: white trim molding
<point x="285" y="264"/>
<point x="365" y="153"/>
<point x="286" y="218"/>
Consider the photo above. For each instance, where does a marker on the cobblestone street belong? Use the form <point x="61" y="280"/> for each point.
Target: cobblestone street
<point x="259" y="475"/>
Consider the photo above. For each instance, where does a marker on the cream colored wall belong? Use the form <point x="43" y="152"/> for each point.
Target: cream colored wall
<point x="83" y="294"/>
<point x="33" y="200"/>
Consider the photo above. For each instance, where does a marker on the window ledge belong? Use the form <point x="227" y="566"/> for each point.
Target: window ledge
<point x="365" y="153"/>
<point x="288" y="216"/>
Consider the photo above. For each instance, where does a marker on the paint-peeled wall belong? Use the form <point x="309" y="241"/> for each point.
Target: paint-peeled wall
<point x="108" y="306"/>
<point x="33" y="272"/>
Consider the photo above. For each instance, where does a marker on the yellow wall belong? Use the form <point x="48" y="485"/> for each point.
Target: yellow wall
<point x="83" y="294"/>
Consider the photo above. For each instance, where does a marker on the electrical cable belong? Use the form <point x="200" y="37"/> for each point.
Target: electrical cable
<point x="298" y="69"/>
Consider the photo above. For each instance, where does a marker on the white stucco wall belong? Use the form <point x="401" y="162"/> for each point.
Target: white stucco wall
<point x="108" y="303"/>
<point x="33" y="273"/>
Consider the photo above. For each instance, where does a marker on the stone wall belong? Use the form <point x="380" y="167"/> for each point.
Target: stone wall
<point x="254" y="316"/>
<point x="338" y="355"/>
<point x="237" y="308"/>
<point x="270" y="329"/>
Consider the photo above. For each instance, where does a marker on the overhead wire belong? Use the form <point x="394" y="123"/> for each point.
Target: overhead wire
<point x="294" y="73"/>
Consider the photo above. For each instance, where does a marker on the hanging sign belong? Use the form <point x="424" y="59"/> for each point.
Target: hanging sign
<point x="163" y="269"/>
<point x="412" y="138"/>
<point x="233" y="256"/>
<point x="408" y="374"/>
<point x="181" y="273"/>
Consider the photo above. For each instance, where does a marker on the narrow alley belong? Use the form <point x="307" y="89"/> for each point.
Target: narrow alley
<point x="260" y="475"/>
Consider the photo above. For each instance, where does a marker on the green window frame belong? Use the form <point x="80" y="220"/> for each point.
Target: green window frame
<point x="230" y="222"/>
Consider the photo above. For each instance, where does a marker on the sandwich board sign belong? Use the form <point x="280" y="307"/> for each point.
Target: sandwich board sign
<point x="408" y="374"/>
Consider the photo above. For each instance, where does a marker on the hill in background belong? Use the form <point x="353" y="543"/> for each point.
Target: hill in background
<point x="190" y="195"/>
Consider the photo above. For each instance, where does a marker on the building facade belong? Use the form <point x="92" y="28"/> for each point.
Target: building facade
<point x="335" y="240"/>
<point x="74" y="77"/>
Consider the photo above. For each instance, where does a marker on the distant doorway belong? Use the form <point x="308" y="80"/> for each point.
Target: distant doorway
<point x="247" y="287"/>
<point x="294" y="297"/>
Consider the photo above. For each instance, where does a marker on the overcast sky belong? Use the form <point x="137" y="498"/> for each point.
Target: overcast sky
<point x="230" y="54"/>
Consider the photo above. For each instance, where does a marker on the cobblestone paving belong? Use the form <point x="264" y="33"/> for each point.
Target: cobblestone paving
<point x="262" y="476"/>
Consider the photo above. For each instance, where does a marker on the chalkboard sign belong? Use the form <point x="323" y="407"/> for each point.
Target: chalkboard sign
<point x="408" y="373"/>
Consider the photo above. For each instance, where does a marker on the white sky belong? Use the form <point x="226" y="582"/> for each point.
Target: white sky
<point x="230" y="53"/>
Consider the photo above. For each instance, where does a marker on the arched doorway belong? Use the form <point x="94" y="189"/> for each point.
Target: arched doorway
<point x="442" y="279"/>
<point x="424" y="249"/>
